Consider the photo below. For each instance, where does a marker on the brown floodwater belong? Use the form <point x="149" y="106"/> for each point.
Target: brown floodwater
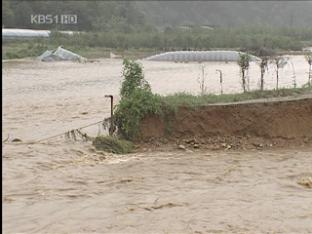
<point x="60" y="186"/>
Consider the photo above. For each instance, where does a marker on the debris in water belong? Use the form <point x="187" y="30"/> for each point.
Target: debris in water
<point x="182" y="147"/>
<point x="306" y="182"/>
<point x="16" y="140"/>
<point x="76" y="134"/>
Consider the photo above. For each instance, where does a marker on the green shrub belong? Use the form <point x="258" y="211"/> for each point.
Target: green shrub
<point x="137" y="101"/>
<point x="131" y="110"/>
<point x="133" y="79"/>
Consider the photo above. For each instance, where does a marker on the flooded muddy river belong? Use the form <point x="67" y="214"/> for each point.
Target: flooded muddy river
<point x="58" y="186"/>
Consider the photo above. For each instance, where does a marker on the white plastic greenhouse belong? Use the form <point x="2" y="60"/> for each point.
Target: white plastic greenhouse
<point x="10" y="33"/>
<point x="16" y="33"/>
<point x="199" y="56"/>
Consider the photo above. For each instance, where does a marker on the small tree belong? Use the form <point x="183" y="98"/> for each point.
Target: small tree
<point x="263" y="68"/>
<point x="279" y="62"/>
<point x="137" y="100"/>
<point x="243" y="62"/>
<point x="309" y="60"/>
<point x="264" y="54"/>
<point x="133" y="78"/>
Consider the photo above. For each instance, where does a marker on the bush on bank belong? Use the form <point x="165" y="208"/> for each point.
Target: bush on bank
<point x="137" y="101"/>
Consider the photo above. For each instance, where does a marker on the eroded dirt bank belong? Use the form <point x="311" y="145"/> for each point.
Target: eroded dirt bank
<point x="252" y="123"/>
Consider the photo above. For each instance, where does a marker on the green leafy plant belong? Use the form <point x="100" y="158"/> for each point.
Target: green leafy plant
<point x="133" y="78"/>
<point x="132" y="109"/>
<point x="137" y="101"/>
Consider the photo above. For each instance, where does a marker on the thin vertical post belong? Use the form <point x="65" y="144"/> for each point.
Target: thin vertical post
<point x="111" y="128"/>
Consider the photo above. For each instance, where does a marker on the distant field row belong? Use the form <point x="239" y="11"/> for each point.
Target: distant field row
<point x="141" y="44"/>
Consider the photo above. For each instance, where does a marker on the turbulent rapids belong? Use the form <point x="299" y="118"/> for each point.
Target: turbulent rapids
<point x="199" y="56"/>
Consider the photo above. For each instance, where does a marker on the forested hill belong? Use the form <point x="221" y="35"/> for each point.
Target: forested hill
<point x="230" y="13"/>
<point x="130" y="16"/>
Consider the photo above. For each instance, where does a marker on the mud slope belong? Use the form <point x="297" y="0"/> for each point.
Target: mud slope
<point x="286" y="120"/>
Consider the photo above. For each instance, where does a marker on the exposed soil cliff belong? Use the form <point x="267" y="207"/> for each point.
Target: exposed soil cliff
<point x="260" y="122"/>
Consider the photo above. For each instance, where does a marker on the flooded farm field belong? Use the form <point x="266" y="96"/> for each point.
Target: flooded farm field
<point x="57" y="186"/>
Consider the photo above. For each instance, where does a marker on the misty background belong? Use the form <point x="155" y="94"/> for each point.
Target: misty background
<point x="129" y="16"/>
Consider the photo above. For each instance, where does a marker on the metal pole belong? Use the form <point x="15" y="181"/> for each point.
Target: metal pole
<point x="111" y="128"/>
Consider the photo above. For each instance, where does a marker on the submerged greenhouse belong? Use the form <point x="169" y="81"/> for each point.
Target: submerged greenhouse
<point x="60" y="54"/>
<point x="199" y="56"/>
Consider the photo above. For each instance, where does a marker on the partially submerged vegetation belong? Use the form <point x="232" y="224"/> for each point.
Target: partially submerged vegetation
<point x="137" y="101"/>
<point x="112" y="145"/>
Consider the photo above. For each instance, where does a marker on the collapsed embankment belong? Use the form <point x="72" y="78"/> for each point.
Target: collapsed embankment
<point x="234" y="125"/>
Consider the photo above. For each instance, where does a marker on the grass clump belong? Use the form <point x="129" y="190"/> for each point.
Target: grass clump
<point x="112" y="145"/>
<point x="185" y="99"/>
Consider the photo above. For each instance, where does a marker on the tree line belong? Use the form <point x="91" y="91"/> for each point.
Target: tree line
<point x="245" y="39"/>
